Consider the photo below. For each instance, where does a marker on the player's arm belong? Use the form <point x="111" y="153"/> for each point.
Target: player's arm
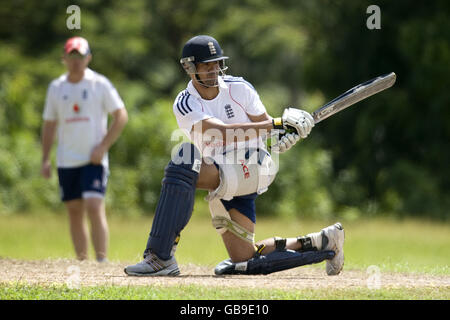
<point x="120" y="118"/>
<point x="47" y="138"/>
<point x="259" y="118"/>
<point x="237" y="132"/>
<point x="293" y="119"/>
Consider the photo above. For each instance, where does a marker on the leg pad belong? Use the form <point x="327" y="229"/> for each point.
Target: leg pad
<point x="273" y="262"/>
<point x="176" y="201"/>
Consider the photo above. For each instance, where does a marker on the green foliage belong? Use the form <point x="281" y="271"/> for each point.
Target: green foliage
<point x="385" y="155"/>
<point x="301" y="184"/>
<point x="143" y="151"/>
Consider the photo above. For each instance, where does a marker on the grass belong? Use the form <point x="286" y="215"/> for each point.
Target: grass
<point x="17" y="291"/>
<point x="410" y="246"/>
<point x="393" y="246"/>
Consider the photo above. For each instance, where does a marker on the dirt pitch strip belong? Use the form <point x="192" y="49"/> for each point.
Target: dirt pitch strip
<point x="88" y="273"/>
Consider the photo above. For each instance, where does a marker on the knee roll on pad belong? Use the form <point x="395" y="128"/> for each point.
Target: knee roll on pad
<point x="273" y="262"/>
<point x="176" y="200"/>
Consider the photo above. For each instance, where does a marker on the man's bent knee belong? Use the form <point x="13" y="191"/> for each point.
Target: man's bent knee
<point x="238" y="249"/>
<point x="236" y="229"/>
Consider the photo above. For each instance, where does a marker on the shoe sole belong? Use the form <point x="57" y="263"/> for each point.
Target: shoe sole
<point x="330" y="269"/>
<point x="168" y="272"/>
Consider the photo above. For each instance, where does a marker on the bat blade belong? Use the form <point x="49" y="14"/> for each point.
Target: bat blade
<point x="354" y="95"/>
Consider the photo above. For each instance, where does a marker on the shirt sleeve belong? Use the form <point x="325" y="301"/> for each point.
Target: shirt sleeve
<point x="254" y="105"/>
<point x="111" y="98"/>
<point x="245" y="94"/>
<point x="188" y="111"/>
<point x="50" y="109"/>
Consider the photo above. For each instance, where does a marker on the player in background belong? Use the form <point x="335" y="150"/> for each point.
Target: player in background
<point x="226" y="121"/>
<point x="77" y="107"/>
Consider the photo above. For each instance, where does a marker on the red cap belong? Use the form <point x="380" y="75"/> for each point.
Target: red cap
<point x="77" y="43"/>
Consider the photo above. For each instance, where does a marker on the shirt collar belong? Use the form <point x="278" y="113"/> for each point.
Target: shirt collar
<point x="88" y="75"/>
<point x="191" y="89"/>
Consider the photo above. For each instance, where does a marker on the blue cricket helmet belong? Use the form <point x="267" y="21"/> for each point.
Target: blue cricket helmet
<point x="201" y="49"/>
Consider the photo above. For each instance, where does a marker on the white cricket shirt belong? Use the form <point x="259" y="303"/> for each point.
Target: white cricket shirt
<point x="81" y="110"/>
<point x="236" y="100"/>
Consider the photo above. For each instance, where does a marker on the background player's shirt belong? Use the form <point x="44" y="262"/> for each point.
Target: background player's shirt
<point x="81" y="110"/>
<point x="236" y="99"/>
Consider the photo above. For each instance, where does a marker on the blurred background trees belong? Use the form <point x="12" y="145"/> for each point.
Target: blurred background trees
<point x="388" y="155"/>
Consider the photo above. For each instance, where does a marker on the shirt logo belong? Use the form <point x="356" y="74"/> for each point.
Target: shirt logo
<point x="212" y="49"/>
<point x="96" y="184"/>
<point x="245" y="169"/>
<point x="76" y="108"/>
<point x="229" y="111"/>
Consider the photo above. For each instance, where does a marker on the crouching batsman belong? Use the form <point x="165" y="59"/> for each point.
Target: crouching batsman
<point x="226" y="121"/>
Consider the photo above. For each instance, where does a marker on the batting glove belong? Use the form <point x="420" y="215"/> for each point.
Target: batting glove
<point x="296" y="120"/>
<point x="285" y="142"/>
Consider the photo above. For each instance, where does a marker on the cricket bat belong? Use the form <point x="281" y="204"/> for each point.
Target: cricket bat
<point x="350" y="97"/>
<point x="354" y="95"/>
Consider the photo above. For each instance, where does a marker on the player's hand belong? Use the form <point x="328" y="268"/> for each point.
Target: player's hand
<point x="97" y="154"/>
<point x="285" y="142"/>
<point x="295" y="119"/>
<point x="46" y="169"/>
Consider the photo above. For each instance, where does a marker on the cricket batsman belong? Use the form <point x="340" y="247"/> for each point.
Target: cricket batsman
<point x="227" y="124"/>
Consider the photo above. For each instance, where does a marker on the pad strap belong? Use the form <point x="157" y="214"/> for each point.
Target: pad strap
<point x="280" y="243"/>
<point x="306" y="244"/>
<point x="220" y="222"/>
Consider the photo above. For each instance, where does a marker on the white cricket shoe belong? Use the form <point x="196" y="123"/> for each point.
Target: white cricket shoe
<point x="152" y="266"/>
<point x="335" y="235"/>
<point x="331" y="238"/>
